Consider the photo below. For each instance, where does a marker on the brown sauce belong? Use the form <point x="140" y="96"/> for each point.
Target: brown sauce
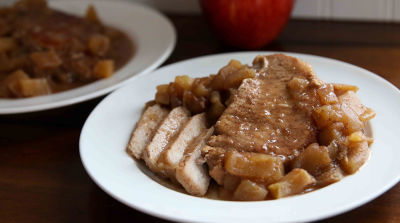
<point x="53" y="51"/>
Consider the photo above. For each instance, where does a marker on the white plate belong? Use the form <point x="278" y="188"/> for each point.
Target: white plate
<point x="153" y="36"/>
<point x="108" y="128"/>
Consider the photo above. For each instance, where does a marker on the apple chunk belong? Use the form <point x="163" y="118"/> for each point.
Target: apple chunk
<point x="250" y="191"/>
<point x="357" y="155"/>
<point x="257" y="166"/>
<point x="314" y="159"/>
<point x="292" y="183"/>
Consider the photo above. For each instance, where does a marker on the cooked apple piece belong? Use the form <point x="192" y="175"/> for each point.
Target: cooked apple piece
<point x="201" y="86"/>
<point x="220" y="80"/>
<point x="175" y="95"/>
<point x="235" y="64"/>
<point x="260" y="61"/>
<point x="232" y="75"/>
<point x="330" y="133"/>
<point x="292" y="183"/>
<point x="343" y="88"/>
<point x="236" y="79"/>
<point x="184" y="82"/>
<point x="335" y="149"/>
<point x="353" y="102"/>
<point x="314" y="159"/>
<point x="99" y="44"/>
<point x="217" y="107"/>
<point x="201" y="90"/>
<point x="13" y="82"/>
<point x="250" y="191"/>
<point x="7" y="44"/>
<point x="257" y="166"/>
<point x="45" y="60"/>
<point x="359" y="136"/>
<point x="194" y="103"/>
<point x="357" y="155"/>
<point x="329" y="114"/>
<point x="103" y="69"/>
<point x="330" y="176"/>
<point x="34" y="87"/>
<point x="327" y="95"/>
<point x="351" y="120"/>
<point x="162" y="96"/>
<point x="367" y="115"/>
<point x="298" y="84"/>
<point x="91" y="14"/>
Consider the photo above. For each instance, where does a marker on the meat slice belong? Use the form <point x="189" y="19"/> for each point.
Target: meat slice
<point x="191" y="172"/>
<point x="145" y="129"/>
<point x="168" y="129"/>
<point x="263" y="116"/>
<point x="171" y="156"/>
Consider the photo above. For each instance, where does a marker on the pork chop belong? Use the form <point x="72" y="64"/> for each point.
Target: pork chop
<point x="263" y="116"/>
<point x="168" y="129"/>
<point x="145" y="129"/>
<point x="191" y="172"/>
<point x="171" y="156"/>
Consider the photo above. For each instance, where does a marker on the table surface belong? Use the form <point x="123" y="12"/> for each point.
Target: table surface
<point x="41" y="175"/>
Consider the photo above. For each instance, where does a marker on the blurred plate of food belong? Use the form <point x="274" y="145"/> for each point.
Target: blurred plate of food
<point x="64" y="52"/>
<point x="143" y="184"/>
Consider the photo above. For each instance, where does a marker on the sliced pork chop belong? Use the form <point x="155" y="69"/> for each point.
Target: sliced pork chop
<point x="168" y="129"/>
<point x="145" y="130"/>
<point x="263" y="116"/>
<point x="171" y="156"/>
<point x="191" y="172"/>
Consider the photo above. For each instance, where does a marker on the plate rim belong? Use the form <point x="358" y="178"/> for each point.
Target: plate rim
<point x="344" y="209"/>
<point x="102" y="91"/>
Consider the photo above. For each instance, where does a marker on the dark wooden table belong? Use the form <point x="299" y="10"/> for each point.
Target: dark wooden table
<point x="41" y="175"/>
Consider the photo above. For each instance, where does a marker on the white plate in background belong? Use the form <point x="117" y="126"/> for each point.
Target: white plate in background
<point x="153" y="37"/>
<point x="108" y="128"/>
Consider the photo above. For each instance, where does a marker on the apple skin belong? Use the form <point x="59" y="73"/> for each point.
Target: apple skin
<point x="248" y="24"/>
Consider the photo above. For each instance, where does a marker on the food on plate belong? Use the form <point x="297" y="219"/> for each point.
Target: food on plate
<point x="259" y="132"/>
<point x="191" y="173"/>
<point x="44" y="51"/>
<point x="166" y="133"/>
<point x="145" y="128"/>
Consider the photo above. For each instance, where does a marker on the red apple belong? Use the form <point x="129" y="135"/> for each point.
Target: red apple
<point x="248" y="24"/>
